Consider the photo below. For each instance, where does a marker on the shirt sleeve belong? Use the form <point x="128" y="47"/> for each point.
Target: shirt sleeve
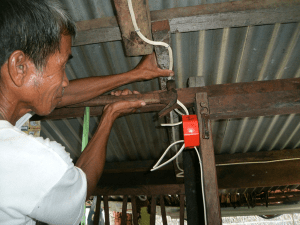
<point x="64" y="203"/>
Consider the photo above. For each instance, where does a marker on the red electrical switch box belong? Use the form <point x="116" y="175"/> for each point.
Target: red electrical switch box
<point x="190" y="131"/>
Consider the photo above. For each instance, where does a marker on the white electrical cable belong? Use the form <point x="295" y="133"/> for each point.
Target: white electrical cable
<point x="180" y="113"/>
<point x="202" y="184"/>
<point x="147" y="40"/>
<point x="183" y="106"/>
<point x="155" y="167"/>
<point x="181" y="173"/>
<point x="171" y="124"/>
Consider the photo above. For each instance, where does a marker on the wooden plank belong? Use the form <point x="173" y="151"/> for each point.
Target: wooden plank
<point x="182" y="207"/>
<point x="235" y="100"/>
<point x="172" y="189"/>
<point x="134" y="210"/>
<point x="106" y="209"/>
<point x="192" y="18"/>
<point x="163" y="210"/>
<point x="259" y="175"/>
<point x="213" y="213"/>
<point x="133" y="44"/>
<point x="98" y="209"/>
<point x="124" y="210"/>
<point x="153" y="210"/>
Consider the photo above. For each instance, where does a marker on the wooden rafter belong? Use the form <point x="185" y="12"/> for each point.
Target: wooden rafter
<point x="200" y="17"/>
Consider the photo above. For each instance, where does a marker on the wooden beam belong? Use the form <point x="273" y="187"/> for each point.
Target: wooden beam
<point x="139" y="178"/>
<point x="200" y="17"/>
<point x="235" y="100"/>
<point x="172" y="189"/>
<point x="254" y="173"/>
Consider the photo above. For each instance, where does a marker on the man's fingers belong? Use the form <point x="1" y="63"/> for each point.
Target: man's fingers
<point x="123" y="92"/>
<point x="126" y="92"/>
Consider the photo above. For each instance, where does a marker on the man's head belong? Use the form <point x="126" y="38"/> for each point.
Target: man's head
<point x="35" y="44"/>
<point x="34" y="27"/>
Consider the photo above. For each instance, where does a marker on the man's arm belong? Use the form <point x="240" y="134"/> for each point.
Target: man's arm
<point x="81" y="90"/>
<point x="92" y="159"/>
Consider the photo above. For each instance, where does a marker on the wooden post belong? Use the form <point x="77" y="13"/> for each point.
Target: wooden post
<point x="98" y="210"/>
<point x="153" y="210"/>
<point x="124" y="210"/>
<point x="161" y="32"/>
<point x="163" y="210"/>
<point x="181" y="210"/>
<point x="106" y="209"/>
<point x="212" y="203"/>
<point x="134" y="210"/>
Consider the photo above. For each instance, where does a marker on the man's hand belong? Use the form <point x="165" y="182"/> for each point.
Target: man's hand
<point x="122" y="108"/>
<point x="148" y="68"/>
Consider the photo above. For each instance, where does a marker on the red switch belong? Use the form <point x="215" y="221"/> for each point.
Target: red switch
<point x="190" y="131"/>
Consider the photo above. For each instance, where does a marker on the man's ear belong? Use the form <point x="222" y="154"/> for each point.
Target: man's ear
<point x="17" y="67"/>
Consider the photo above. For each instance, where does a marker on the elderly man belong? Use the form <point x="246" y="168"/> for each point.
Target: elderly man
<point x="38" y="180"/>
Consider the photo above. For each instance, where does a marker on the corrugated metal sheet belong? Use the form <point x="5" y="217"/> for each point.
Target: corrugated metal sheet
<point x="227" y="55"/>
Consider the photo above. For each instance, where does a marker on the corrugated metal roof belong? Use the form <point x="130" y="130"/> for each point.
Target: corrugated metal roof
<point x="227" y="55"/>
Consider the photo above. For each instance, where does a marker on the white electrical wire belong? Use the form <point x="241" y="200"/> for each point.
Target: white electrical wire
<point x="258" y="162"/>
<point x="147" y="40"/>
<point x="202" y="184"/>
<point x="181" y="173"/>
<point x="155" y="167"/>
<point x="180" y="113"/>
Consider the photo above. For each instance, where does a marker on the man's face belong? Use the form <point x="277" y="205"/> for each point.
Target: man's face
<point x="49" y="83"/>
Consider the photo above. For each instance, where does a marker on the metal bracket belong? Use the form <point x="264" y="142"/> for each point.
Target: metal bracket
<point x="204" y="111"/>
